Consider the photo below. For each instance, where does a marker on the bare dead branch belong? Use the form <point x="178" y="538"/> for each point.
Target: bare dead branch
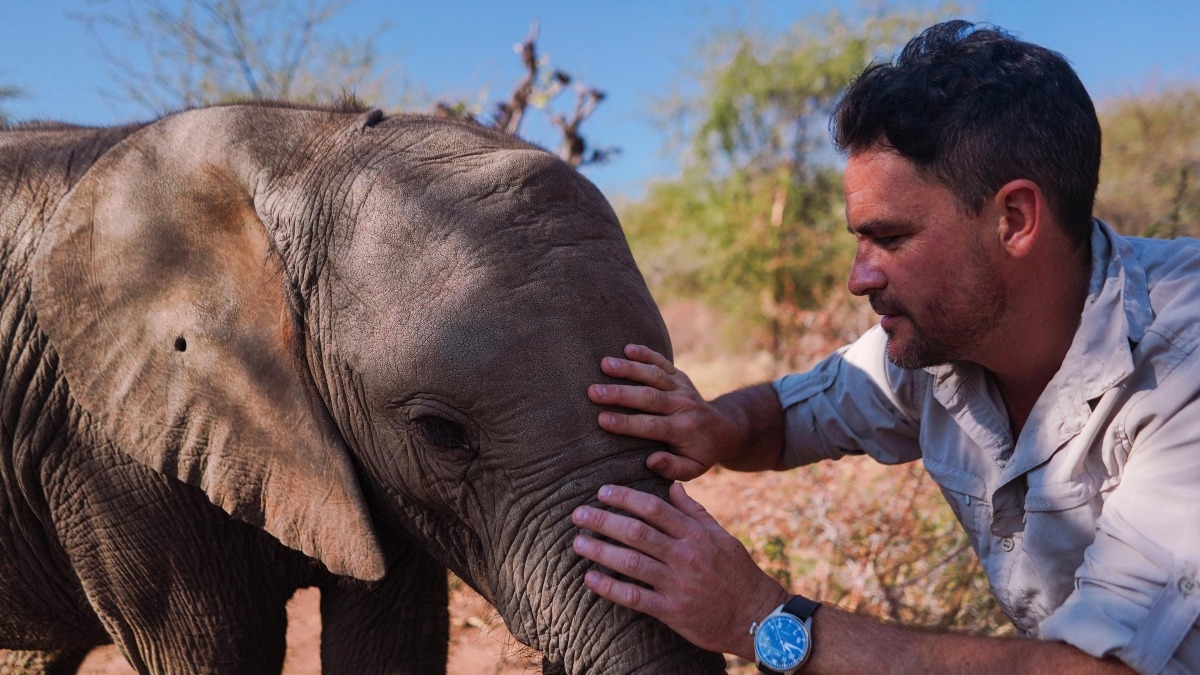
<point x="509" y="113"/>
<point x="574" y="148"/>
<point x="529" y="92"/>
<point x="205" y="51"/>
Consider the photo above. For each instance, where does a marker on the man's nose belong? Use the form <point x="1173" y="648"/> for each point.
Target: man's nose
<point x="865" y="277"/>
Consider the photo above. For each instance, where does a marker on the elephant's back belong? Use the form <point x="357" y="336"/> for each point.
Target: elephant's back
<point x="39" y="163"/>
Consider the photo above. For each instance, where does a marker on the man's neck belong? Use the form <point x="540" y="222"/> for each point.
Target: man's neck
<point x="1040" y="329"/>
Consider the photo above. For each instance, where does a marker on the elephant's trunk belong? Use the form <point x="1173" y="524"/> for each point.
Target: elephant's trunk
<point x="578" y="631"/>
<point x="683" y="662"/>
<point x="645" y="647"/>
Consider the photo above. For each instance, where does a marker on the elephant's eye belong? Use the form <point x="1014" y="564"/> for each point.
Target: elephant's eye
<point x="442" y="433"/>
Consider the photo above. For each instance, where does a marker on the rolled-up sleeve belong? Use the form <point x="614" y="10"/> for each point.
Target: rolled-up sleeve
<point x="853" y="402"/>
<point x="1137" y="593"/>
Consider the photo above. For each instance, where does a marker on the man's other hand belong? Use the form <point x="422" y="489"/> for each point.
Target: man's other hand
<point x="699" y="434"/>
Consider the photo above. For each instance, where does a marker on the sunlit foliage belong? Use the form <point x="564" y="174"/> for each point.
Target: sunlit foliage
<point x="1150" y="172"/>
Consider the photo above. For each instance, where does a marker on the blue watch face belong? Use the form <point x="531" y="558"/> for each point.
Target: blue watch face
<point x="781" y="642"/>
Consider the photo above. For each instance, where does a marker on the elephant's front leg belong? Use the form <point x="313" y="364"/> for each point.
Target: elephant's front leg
<point x="179" y="585"/>
<point x="56" y="662"/>
<point x="400" y="624"/>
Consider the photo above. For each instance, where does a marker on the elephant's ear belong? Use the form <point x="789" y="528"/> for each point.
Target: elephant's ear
<point x="158" y="286"/>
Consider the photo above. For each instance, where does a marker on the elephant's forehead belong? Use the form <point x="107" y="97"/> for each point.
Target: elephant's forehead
<point x="509" y="203"/>
<point x="513" y="268"/>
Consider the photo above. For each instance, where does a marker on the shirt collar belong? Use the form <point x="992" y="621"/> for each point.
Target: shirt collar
<point x="1115" y="316"/>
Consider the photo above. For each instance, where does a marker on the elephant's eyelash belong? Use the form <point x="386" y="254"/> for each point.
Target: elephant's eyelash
<point x="443" y="433"/>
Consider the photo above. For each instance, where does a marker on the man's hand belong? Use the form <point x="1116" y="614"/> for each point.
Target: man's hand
<point x="704" y="584"/>
<point x="699" y="433"/>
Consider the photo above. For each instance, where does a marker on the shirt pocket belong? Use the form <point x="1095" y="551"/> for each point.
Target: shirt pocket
<point x="964" y="491"/>
<point x="1060" y="523"/>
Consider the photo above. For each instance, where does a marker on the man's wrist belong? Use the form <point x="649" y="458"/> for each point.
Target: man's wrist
<point x="764" y="601"/>
<point x="754" y="420"/>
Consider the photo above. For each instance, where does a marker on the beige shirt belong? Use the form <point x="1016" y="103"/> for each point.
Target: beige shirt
<point x="1089" y="526"/>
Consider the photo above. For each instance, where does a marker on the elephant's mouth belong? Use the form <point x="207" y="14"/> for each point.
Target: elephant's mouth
<point x="461" y="549"/>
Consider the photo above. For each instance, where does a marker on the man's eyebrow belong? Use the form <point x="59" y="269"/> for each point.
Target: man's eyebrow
<point x="873" y="228"/>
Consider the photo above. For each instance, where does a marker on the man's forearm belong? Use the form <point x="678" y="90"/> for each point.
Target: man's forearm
<point x="757" y="420"/>
<point x="850" y="643"/>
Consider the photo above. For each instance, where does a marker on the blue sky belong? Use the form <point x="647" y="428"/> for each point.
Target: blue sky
<point x="635" y="51"/>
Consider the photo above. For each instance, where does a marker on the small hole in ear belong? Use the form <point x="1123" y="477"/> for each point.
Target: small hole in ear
<point x="180" y="344"/>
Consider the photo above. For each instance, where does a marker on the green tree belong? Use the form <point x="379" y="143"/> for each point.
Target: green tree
<point x="208" y="51"/>
<point x="754" y="224"/>
<point x="1150" y="175"/>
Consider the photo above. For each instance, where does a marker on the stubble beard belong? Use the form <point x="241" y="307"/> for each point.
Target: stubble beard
<point x="958" y="320"/>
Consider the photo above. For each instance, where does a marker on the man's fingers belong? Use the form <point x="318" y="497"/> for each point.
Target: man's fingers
<point x="674" y="467"/>
<point x="629" y="562"/>
<point x="650" y="427"/>
<point x="663" y="517"/>
<point x="624" y="593"/>
<point x="644" y="354"/>
<point x="653" y="375"/>
<point x="629" y="531"/>
<point x="646" y="399"/>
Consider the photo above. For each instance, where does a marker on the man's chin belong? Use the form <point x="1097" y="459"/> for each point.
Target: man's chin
<point x="912" y="353"/>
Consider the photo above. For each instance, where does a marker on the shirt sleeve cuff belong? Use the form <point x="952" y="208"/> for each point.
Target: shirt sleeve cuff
<point x="1102" y="623"/>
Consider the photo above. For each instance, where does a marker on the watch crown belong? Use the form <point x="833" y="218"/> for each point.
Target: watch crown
<point x="753" y="627"/>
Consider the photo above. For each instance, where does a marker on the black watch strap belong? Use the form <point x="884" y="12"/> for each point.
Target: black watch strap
<point x="801" y="607"/>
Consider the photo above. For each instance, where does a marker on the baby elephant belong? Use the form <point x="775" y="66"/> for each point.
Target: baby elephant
<point x="253" y="348"/>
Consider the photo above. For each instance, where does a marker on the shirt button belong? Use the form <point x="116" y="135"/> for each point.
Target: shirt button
<point x="1007" y="544"/>
<point x="1187" y="586"/>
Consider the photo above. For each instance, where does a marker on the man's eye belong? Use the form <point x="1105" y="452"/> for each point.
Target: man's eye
<point x="890" y="242"/>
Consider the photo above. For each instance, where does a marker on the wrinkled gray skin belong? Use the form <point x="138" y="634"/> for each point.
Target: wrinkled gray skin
<point x="250" y="349"/>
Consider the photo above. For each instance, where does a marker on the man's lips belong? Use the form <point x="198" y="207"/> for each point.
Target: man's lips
<point x="890" y="312"/>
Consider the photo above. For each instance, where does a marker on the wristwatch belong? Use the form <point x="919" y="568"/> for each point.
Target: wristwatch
<point x="783" y="640"/>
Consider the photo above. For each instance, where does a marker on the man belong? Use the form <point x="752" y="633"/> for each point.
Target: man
<point x="1042" y="367"/>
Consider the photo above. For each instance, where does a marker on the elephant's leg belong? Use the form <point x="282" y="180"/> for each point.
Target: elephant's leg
<point x="400" y="624"/>
<point x="57" y="662"/>
<point x="178" y="584"/>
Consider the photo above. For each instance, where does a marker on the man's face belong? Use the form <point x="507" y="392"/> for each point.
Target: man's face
<point x="927" y="267"/>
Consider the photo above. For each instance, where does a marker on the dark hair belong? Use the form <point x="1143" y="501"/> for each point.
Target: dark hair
<point x="976" y="108"/>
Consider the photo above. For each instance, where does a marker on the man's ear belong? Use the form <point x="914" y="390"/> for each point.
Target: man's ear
<point x="1022" y="216"/>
